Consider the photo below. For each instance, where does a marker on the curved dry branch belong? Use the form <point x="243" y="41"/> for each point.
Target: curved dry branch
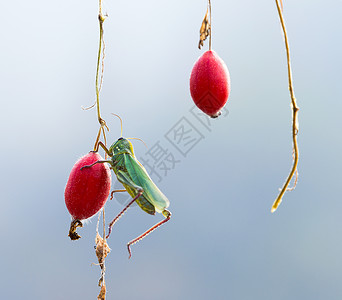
<point x="295" y="109"/>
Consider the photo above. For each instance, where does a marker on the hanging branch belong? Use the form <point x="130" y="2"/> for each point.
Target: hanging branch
<point x="209" y="4"/>
<point x="102" y="122"/>
<point x="102" y="249"/>
<point x="295" y="109"/>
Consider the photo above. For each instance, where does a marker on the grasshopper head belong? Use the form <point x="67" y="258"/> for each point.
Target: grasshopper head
<point x="122" y="145"/>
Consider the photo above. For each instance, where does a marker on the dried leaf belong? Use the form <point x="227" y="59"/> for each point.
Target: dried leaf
<point x="102" y="295"/>
<point x="102" y="249"/>
<point x="205" y="30"/>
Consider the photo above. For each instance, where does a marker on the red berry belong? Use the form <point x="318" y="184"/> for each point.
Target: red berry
<point x="87" y="190"/>
<point x="210" y="83"/>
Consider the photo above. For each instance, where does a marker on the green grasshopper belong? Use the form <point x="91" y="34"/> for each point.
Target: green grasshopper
<point x="133" y="176"/>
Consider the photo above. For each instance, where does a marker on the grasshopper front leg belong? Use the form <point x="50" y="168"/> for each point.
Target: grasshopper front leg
<point x="116" y="191"/>
<point x="101" y="161"/>
<point x="97" y="162"/>
<point x="103" y="146"/>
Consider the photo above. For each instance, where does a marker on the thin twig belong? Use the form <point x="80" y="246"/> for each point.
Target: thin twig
<point x="100" y="54"/>
<point x="209" y="3"/>
<point x="104" y="242"/>
<point x="98" y="222"/>
<point x="295" y="109"/>
<point x="105" y="249"/>
<point x="100" y="64"/>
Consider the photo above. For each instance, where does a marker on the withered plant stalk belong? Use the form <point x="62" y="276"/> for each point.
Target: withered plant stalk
<point x="295" y="110"/>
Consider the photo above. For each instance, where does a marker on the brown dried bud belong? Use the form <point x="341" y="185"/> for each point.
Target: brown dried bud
<point x="205" y="30"/>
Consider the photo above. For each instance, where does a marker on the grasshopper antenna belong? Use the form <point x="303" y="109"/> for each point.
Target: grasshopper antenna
<point x="128" y="138"/>
<point x="138" y="140"/>
<point x="120" y="121"/>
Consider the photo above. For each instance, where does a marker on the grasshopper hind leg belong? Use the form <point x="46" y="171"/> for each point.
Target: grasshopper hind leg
<point x="167" y="214"/>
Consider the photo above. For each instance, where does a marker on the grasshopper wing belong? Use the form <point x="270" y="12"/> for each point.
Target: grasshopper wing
<point x="140" y="177"/>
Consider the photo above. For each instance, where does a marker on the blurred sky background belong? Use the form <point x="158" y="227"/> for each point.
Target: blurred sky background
<point x="222" y="241"/>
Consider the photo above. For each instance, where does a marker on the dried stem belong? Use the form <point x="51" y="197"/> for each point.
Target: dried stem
<point x="209" y="4"/>
<point x="99" y="78"/>
<point x="102" y="250"/>
<point x="295" y="109"/>
<point x="104" y="240"/>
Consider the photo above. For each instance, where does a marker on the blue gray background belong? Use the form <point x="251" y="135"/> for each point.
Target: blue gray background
<point x="222" y="242"/>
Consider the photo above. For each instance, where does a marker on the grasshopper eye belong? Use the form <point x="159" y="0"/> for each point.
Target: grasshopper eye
<point x="120" y="139"/>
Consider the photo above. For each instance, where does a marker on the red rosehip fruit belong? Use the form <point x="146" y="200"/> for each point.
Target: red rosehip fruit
<point x="210" y="83"/>
<point x="87" y="189"/>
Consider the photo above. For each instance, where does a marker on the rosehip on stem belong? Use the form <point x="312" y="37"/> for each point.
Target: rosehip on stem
<point x="210" y="83"/>
<point x="87" y="190"/>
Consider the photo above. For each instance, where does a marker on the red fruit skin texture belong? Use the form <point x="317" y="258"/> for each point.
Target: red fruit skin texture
<point x="87" y="190"/>
<point x="210" y="83"/>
